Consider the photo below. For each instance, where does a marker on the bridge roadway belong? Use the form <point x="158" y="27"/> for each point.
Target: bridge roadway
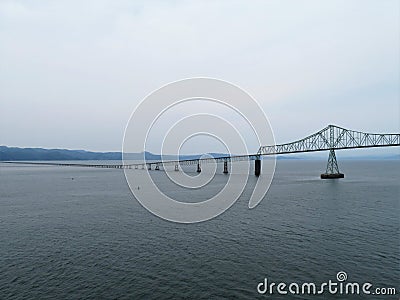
<point x="330" y="138"/>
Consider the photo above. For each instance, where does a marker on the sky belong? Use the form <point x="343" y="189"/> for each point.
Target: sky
<point x="72" y="72"/>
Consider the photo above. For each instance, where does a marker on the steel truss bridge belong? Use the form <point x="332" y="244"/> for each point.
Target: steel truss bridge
<point x="330" y="138"/>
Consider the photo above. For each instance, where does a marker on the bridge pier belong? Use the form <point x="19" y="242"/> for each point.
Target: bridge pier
<point x="176" y="168"/>
<point x="257" y="166"/>
<point x="225" y="167"/>
<point x="332" y="168"/>
<point x="157" y="167"/>
<point x="198" y="167"/>
<point x="149" y="167"/>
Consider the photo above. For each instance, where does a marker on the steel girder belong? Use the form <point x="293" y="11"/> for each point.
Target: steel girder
<point x="333" y="137"/>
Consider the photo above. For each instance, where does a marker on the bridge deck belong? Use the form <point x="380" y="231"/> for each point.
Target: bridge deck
<point x="329" y="138"/>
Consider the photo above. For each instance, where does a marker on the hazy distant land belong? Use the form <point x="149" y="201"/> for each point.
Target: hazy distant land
<point x="29" y="154"/>
<point x="33" y="154"/>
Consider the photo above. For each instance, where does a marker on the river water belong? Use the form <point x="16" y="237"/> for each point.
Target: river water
<point x="69" y="233"/>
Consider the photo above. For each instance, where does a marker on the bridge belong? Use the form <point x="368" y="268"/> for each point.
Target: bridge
<point x="330" y="138"/>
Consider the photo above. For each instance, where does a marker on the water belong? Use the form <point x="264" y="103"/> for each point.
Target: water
<point x="87" y="237"/>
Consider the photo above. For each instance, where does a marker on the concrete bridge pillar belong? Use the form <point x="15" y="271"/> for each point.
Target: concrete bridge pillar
<point x="225" y="167"/>
<point x="257" y="167"/>
<point x="198" y="167"/>
<point x="176" y="168"/>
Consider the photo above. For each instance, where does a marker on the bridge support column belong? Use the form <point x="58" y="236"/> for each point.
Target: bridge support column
<point x="176" y="168"/>
<point x="157" y="167"/>
<point x="225" y="167"/>
<point x="257" y="166"/>
<point x="198" y="167"/>
<point x="149" y="167"/>
<point x="332" y="168"/>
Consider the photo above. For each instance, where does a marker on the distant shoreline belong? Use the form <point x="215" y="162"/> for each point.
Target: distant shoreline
<point x="10" y="154"/>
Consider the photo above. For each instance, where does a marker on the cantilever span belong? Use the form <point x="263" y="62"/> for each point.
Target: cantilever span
<point x="330" y="138"/>
<point x="333" y="137"/>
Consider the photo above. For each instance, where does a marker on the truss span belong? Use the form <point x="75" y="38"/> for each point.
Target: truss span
<point x="333" y="137"/>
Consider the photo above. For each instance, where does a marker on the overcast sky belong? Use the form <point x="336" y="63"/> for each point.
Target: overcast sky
<point x="71" y="72"/>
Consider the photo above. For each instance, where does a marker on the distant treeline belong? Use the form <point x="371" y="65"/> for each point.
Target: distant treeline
<point x="14" y="154"/>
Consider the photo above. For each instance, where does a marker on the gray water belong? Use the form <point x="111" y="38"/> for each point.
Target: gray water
<point x="87" y="237"/>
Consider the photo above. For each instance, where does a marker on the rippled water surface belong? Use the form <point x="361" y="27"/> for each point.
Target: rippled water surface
<point x="68" y="232"/>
